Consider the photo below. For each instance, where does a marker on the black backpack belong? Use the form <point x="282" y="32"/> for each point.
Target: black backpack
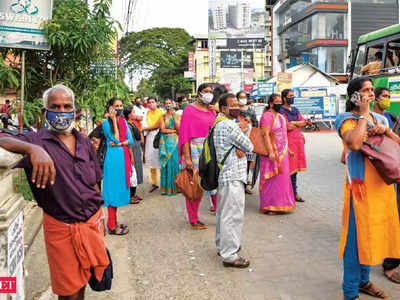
<point x="208" y="166"/>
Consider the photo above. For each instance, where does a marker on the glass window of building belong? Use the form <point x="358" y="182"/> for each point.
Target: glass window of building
<point x="329" y="26"/>
<point x="329" y="59"/>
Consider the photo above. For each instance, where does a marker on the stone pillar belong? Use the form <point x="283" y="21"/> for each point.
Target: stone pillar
<point x="11" y="227"/>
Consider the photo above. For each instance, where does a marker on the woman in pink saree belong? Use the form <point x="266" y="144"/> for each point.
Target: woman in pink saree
<point x="276" y="193"/>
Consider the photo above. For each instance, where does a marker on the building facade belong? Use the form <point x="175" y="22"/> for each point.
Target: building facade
<point x="240" y="15"/>
<point x="219" y="17"/>
<point x="323" y="32"/>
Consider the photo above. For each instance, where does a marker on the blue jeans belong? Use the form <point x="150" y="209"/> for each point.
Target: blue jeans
<point x="354" y="274"/>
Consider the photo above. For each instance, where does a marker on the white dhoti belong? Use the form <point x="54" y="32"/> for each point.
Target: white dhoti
<point x="230" y="217"/>
<point x="152" y="154"/>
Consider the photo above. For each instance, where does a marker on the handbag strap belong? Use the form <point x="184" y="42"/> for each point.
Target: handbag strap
<point x="226" y="155"/>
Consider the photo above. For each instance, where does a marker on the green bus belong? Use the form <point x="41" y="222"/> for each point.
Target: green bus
<point x="384" y="43"/>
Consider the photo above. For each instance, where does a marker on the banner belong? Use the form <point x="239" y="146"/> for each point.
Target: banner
<point x="191" y="62"/>
<point x="315" y="102"/>
<point x="20" y="23"/>
<point x="256" y="43"/>
<point x="233" y="59"/>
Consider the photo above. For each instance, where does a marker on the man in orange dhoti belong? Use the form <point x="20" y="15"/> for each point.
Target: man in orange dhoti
<point x="64" y="171"/>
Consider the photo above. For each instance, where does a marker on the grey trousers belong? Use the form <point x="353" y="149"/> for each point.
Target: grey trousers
<point x="230" y="217"/>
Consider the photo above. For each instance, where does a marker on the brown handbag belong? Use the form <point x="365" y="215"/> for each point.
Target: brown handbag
<point x="187" y="182"/>
<point x="384" y="154"/>
<point x="257" y="138"/>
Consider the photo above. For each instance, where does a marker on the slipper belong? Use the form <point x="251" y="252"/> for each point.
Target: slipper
<point x="153" y="188"/>
<point x="240" y="263"/>
<point x="118" y="230"/>
<point x="372" y="290"/>
<point x="395" y="277"/>
<point x="135" y="200"/>
<point x="299" y="199"/>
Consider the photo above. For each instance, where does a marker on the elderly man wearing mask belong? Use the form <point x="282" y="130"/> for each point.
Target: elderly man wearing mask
<point x="64" y="172"/>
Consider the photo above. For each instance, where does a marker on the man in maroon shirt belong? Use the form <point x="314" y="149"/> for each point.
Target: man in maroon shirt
<point x="64" y="171"/>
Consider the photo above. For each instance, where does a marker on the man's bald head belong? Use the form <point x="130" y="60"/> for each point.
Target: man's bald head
<point x="60" y="92"/>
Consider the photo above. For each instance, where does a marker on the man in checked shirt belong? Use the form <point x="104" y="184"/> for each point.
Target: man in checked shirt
<point x="229" y="138"/>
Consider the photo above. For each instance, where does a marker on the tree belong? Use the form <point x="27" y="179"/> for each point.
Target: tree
<point x="161" y="51"/>
<point x="145" y="89"/>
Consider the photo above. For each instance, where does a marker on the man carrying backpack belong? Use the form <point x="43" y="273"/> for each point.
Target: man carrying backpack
<point x="231" y="144"/>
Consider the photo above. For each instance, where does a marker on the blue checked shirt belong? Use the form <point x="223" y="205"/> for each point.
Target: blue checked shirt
<point x="227" y="134"/>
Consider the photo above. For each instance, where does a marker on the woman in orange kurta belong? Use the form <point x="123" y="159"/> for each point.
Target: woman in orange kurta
<point x="371" y="227"/>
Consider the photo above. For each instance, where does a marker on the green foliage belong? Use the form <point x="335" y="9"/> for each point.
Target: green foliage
<point x="145" y="89"/>
<point x="9" y="77"/>
<point x="22" y="186"/>
<point x="164" y="53"/>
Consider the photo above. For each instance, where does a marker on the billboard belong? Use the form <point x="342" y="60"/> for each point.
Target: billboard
<point x="284" y="81"/>
<point x="233" y="59"/>
<point x="20" y="23"/>
<point x="244" y="43"/>
<point x="236" y="19"/>
<point x="315" y="102"/>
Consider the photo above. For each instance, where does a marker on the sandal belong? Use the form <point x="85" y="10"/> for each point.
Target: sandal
<point x="140" y="199"/>
<point x="357" y="298"/>
<point x="198" y="226"/>
<point x="153" y="188"/>
<point x="395" y="277"/>
<point x="118" y="230"/>
<point x="271" y="213"/>
<point x="240" y="263"/>
<point x="135" y="200"/>
<point x="372" y="290"/>
<point x="299" y="199"/>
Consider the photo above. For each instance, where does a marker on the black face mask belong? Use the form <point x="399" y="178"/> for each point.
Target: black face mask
<point x="138" y="104"/>
<point x="120" y="112"/>
<point x="234" y="112"/>
<point x="277" y="107"/>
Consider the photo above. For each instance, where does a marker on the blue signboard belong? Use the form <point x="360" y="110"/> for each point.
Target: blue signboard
<point x="265" y="89"/>
<point x="315" y="102"/>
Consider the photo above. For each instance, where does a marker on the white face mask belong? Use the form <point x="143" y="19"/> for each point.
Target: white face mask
<point x="207" y="98"/>
<point x="242" y="101"/>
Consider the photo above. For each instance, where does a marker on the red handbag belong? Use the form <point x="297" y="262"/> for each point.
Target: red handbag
<point x="384" y="154"/>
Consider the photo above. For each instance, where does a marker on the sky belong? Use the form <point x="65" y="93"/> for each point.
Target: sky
<point x="188" y="14"/>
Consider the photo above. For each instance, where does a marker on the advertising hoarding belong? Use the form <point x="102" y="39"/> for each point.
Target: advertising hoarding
<point x="20" y="23"/>
<point x="233" y="59"/>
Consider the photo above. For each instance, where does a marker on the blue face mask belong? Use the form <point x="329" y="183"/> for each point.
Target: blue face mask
<point x="60" y="121"/>
<point x="290" y="100"/>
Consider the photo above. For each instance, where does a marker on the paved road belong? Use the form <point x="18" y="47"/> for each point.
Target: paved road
<point x="293" y="257"/>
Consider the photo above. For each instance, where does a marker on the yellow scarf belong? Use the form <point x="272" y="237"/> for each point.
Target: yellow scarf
<point x="153" y="116"/>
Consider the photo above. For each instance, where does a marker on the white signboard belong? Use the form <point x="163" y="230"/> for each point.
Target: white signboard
<point x="15" y="247"/>
<point x="20" y="23"/>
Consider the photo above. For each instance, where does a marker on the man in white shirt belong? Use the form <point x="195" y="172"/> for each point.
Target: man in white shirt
<point x="140" y="110"/>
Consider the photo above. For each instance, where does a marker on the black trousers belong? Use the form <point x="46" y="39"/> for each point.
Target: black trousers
<point x="293" y="178"/>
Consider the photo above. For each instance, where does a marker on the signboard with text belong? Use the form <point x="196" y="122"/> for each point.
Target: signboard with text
<point x="20" y="23"/>
<point x="245" y="43"/>
<point x="316" y="102"/>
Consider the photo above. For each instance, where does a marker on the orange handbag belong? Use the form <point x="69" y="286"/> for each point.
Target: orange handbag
<point x="257" y="138"/>
<point x="187" y="182"/>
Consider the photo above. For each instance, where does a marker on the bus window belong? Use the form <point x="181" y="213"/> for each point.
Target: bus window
<point x="360" y="61"/>
<point x="374" y="60"/>
<point x="393" y="57"/>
